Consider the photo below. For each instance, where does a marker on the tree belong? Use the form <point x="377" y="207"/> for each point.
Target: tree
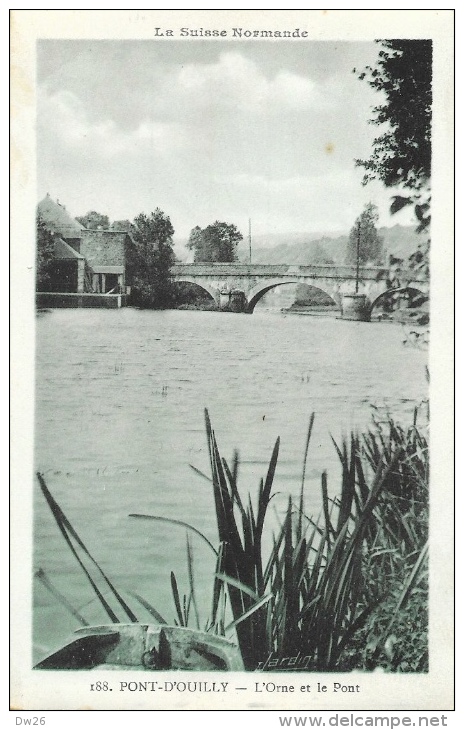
<point x="123" y="225"/>
<point x="45" y="253"/>
<point x="401" y="156"/>
<point x="94" y="220"/>
<point x="216" y="242"/>
<point x="370" y="242"/>
<point x="149" y="257"/>
<point x="196" y="243"/>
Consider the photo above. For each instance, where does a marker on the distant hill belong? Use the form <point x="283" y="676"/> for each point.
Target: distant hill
<point x="317" y="248"/>
<point x="400" y="241"/>
<point x="304" y="252"/>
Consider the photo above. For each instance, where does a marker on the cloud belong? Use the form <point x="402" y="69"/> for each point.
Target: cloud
<point x="328" y="200"/>
<point x="204" y="134"/>
<point x="227" y="114"/>
<point x="63" y="120"/>
<point x="296" y="92"/>
<point x="236" y="82"/>
<point x="221" y="110"/>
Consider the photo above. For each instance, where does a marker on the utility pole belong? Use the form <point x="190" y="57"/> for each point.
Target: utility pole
<point x="357" y="256"/>
<point x="249" y="236"/>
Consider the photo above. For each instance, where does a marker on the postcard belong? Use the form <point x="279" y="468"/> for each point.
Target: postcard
<point x="232" y="341"/>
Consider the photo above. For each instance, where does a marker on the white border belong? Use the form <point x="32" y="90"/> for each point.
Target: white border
<point x="47" y="691"/>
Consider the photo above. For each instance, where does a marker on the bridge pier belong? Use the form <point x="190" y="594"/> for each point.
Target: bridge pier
<point x="224" y="299"/>
<point x="356" y="306"/>
<point x="232" y="300"/>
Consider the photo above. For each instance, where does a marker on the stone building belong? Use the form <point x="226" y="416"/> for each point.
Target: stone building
<point x="105" y="254"/>
<point x="86" y="261"/>
<point x="68" y="271"/>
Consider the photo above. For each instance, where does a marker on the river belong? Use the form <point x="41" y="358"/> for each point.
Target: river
<point x="120" y="398"/>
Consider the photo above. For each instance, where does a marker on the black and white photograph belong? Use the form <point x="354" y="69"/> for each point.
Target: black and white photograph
<point x="233" y="345"/>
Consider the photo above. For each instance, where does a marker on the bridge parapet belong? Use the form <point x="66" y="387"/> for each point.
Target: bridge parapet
<point x="274" y="270"/>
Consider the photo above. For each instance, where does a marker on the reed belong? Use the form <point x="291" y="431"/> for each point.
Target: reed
<point x="346" y="589"/>
<point x="325" y="579"/>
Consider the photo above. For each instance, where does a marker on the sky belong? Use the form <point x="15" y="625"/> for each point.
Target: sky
<point x="207" y="130"/>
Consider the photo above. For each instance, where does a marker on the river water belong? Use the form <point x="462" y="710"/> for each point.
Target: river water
<point x="120" y="398"/>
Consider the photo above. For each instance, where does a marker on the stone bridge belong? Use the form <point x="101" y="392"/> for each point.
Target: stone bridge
<point x="244" y="284"/>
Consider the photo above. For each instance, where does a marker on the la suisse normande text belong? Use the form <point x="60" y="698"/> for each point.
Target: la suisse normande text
<point x="232" y="33"/>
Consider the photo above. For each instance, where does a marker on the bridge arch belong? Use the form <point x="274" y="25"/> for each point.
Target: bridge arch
<point x="211" y="291"/>
<point x="258" y="291"/>
<point x="397" y="290"/>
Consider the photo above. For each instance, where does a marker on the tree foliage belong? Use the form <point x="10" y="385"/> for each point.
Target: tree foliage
<point x="94" y="220"/>
<point x="149" y="257"/>
<point x="45" y="252"/>
<point x="370" y="242"/>
<point x="215" y="243"/>
<point x="196" y="243"/>
<point x="401" y="155"/>
<point x="122" y="225"/>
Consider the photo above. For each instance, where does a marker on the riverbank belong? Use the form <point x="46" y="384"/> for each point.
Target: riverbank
<point x="404" y="316"/>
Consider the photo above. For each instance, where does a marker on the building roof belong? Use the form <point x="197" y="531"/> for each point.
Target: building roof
<point x="58" y="220"/>
<point x="64" y="251"/>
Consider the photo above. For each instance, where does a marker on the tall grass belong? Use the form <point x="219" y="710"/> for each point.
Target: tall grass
<point x="325" y="579"/>
<point x="345" y="590"/>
